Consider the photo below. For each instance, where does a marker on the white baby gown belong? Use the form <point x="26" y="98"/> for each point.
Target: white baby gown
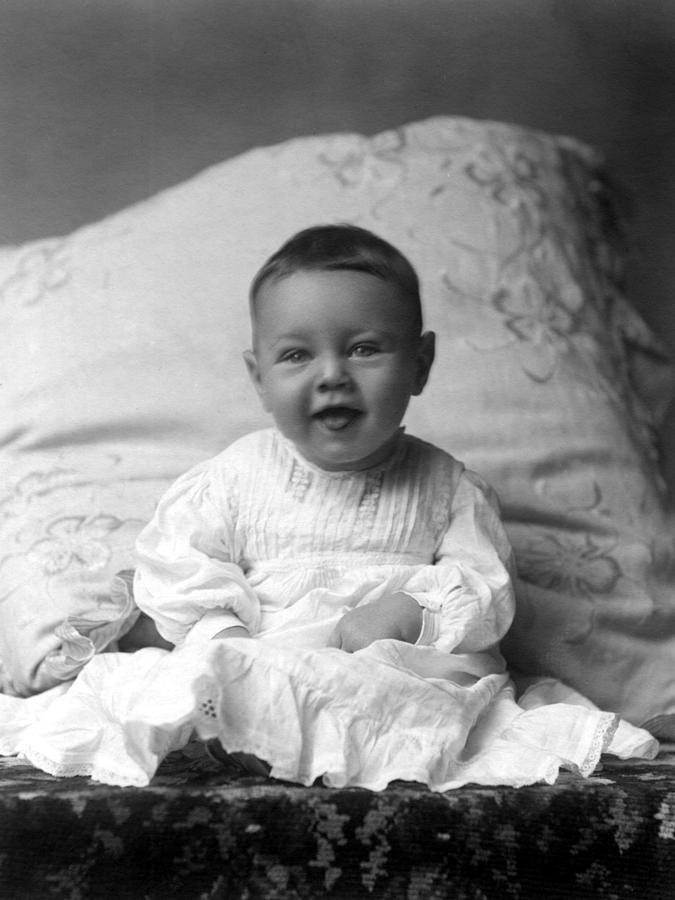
<point x="260" y="537"/>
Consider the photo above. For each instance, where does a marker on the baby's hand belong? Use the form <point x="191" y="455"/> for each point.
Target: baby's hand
<point x="232" y="631"/>
<point x="397" y="616"/>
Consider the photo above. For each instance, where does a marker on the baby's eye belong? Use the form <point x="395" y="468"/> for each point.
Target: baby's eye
<point x="364" y="350"/>
<point x="294" y="356"/>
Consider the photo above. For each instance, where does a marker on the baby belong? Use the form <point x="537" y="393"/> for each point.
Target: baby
<point x="356" y="578"/>
<point x="332" y="588"/>
<point x="338" y="351"/>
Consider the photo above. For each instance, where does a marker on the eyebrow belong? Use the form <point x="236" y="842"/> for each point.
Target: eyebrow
<point x="365" y="335"/>
<point x="292" y="338"/>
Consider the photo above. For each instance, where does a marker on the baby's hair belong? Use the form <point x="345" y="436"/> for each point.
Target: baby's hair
<point x="341" y="247"/>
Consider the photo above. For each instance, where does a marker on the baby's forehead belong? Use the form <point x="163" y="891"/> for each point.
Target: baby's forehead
<point x="327" y="291"/>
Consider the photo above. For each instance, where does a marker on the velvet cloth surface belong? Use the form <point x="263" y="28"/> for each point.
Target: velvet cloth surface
<point x="202" y="830"/>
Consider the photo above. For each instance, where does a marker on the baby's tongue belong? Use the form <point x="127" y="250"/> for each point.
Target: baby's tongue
<point x="338" y="417"/>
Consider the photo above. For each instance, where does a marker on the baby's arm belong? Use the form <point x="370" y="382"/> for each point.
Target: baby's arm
<point x="463" y="602"/>
<point x="186" y="578"/>
<point x="467" y="594"/>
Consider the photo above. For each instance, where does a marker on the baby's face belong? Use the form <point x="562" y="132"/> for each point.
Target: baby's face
<point x="336" y="360"/>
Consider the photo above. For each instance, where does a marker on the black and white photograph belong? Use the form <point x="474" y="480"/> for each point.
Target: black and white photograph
<point x="337" y="449"/>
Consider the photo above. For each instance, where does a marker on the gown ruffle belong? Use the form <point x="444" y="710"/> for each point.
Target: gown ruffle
<point x="316" y="714"/>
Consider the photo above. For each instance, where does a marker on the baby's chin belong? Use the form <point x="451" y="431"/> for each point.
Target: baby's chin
<point x="350" y="459"/>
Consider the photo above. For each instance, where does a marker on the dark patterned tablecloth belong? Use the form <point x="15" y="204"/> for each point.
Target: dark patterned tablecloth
<point x="202" y="831"/>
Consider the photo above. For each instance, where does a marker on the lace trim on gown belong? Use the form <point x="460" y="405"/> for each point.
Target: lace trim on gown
<point x="602" y="738"/>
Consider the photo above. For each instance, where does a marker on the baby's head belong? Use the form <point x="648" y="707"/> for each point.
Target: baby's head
<point x="338" y="348"/>
<point x="335" y="248"/>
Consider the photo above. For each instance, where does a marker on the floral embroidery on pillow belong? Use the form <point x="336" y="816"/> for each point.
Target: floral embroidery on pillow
<point x="34" y="484"/>
<point x="377" y="159"/>
<point x="51" y="533"/>
<point x="509" y="177"/>
<point x="40" y="270"/>
<point x="75" y="542"/>
<point x="569" y="564"/>
<point x="530" y="319"/>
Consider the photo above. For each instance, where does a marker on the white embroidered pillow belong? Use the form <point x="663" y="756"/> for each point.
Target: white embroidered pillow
<point x="123" y="367"/>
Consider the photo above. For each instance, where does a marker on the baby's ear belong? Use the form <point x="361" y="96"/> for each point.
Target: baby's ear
<point x="254" y="373"/>
<point x="426" y="350"/>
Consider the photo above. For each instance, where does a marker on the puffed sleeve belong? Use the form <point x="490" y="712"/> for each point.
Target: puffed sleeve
<point x="467" y="595"/>
<point x="187" y="578"/>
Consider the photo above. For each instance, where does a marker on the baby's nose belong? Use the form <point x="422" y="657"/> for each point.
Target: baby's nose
<point x="333" y="373"/>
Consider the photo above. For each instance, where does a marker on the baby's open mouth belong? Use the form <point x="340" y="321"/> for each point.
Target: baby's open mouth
<point x="337" y="417"/>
